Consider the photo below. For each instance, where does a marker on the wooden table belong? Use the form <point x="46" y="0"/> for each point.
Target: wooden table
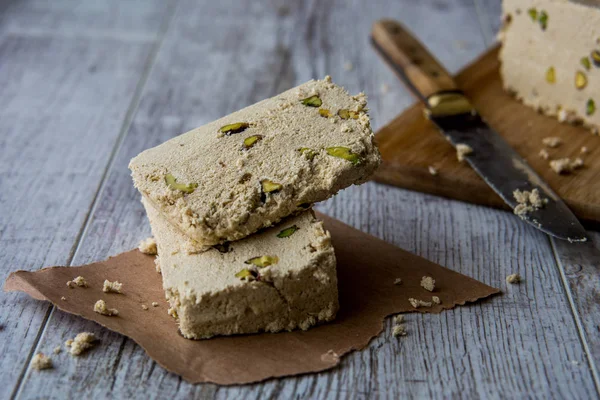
<point x="84" y="86"/>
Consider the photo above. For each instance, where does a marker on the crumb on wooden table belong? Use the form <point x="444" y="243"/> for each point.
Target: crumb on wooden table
<point x="463" y="150"/>
<point x="41" y="361"/>
<point x="432" y="170"/>
<point x="544" y="154"/>
<point x="416" y="303"/>
<point x="566" y="165"/>
<point x="112" y="287"/>
<point x="399" y="330"/>
<point x="436" y="300"/>
<point x="513" y="278"/>
<point x="584" y="150"/>
<point x="63" y="298"/>
<point x="82" y="342"/>
<point x="552" y="141"/>
<point x="428" y="283"/>
<point x="101" y="308"/>
<point x="172" y="312"/>
<point x="398" y="281"/>
<point x="148" y="246"/>
<point x="154" y="304"/>
<point x="144" y="307"/>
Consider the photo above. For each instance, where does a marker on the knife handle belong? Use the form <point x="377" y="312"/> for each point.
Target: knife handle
<point x="412" y="62"/>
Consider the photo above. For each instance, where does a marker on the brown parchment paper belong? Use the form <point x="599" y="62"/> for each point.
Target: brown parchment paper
<point x="367" y="269"/>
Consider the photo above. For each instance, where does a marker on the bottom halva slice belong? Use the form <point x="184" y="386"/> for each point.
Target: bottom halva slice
<point x="282" y="278"/>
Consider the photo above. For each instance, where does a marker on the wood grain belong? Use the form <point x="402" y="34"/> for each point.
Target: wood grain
<point x="207" y="67"/>
<point x="63" y="103"/>
<point x="410" y="144"/>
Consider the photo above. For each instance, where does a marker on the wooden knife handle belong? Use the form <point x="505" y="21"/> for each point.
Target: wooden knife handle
<point x="412" y="62"/>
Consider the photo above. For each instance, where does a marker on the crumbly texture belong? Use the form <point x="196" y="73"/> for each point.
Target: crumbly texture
<point x="566" y="165"/>
<point x="78" y="281"/>
<point x="527" y="201"/>
<point x="544" y="154"/>
<point x="513" y="278"/>
<point x="148" y="246"/>
<point x="398" y="281"/>
<point x="545" y="47"/>
<point x="154" y="304"/>
<point x="552" y="141"/>
<point x="112" y="287"/>
<point x="144" y="307"/>
<point x="40" y="361"/>
<point x="63" y="298"/>
<point x="436" y="300"/>
<point x="222" y="292"/>
<point x="398" y="319"/>
<point x="101" y="308"/>
<point x="82" y="343"/>
<point x="463" y="150"/>
<point x="399" y="330"/>
<point x="226" y="198"/>
<point x="432" y="170"/>
<point x="416" y="303"/>
<point x="428" y="283"/>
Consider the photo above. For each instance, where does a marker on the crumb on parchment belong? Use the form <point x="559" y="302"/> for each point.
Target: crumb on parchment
<point x="79" y="281"/>
<point x="462" y="150"/>
<point x="416" y="303"/>
<point x="101" y="308"/>
<point x="40" y="362"/>
<point x="63" y="298"/>
<point x="566" y="165"/>
<point x="112" y="287"/>
<point x="148" y="246"/>
<point x="82" y="342"/>
<point x="428" y="283"/>
<point x="513" y="278"/>
<point x="552" y="141"/>
<point x="584" y="150"/>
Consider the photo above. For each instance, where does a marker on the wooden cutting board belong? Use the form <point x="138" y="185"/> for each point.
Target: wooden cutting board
<point x="410" y="144"/>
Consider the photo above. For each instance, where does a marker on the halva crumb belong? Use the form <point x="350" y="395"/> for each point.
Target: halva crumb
<point x="513" y="278"/>
<point x="566" y="165"/>
<point x="82" y="342"/>
<point x="432" y="170"/>
<point x="552" y="141"/>
<point x="399" y="330"/>
<point x="148" y="246"/>
<point x="528" y="201"/>
<point x="144" y="307"/>
<point x="416" y="303"/>
<point x="101" y="308"/>
<point x="79" y="281"/>
<point x="63" y="298"/>
<point x="436" y="300"/>
<point x="40" y="361"/>
<point x="428" y="283"/>
<point x="544" y="154"/>
<point x="154" y="304"/>
<point x="462" y="150"/>
<point x="398" y="281"/>
<point x="112" y="287"/>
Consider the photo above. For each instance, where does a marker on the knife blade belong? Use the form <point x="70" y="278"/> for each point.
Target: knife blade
<point x="501" y="167"/>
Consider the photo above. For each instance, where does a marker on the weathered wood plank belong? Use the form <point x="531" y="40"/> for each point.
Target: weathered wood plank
<point x="63" y="104"/>
<point x="524" y="340"/>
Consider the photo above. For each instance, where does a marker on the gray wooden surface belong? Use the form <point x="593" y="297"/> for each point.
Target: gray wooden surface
<point x="86" y="85"/>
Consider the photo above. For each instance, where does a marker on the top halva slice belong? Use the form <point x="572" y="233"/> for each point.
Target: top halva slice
<point x="229" y="178"/>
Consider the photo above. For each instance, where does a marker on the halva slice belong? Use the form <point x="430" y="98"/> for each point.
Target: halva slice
<point x="551" y="57"/>
<point x="282" y="278"/>
<point x="234" y="176"/>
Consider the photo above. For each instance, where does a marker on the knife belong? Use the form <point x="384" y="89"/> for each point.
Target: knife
<point x="450" y="110"/>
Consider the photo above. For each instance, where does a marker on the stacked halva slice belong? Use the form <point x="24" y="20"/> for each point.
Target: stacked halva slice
<point x="240" y="250"/>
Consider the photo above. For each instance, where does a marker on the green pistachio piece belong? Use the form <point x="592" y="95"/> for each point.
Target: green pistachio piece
<point x="172" y="183"/>
<point x="323" y="112"/>
<point x="312" y="101"/>
<point x="246" y="274"/>
<point x="590" y="107"/>
<point x="344" y="114"/>
<point x="596" y="57"/>
<point x="251" y="141"/>
<point x="586" y="63"/>
<point x="580" y="80"/>
<point x="270" y="186"/>
<point x="263" y="261"/>
<point x="236" y="127"/>
<point x="307" y="152"/>
<point x="345" y="153"/>
<point x="543" y="19"/>
<point x="287" y="232"/>
<point x="551" y="75"/>
<point x="533" y="14"/>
